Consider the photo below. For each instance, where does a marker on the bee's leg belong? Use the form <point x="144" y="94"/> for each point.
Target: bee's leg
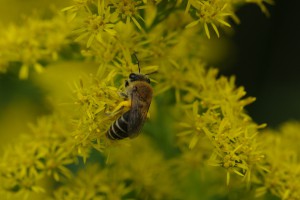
<point x="124" y="95"/>
<point x="121" y="106"/>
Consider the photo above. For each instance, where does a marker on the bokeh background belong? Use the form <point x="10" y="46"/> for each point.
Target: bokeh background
<point x="266" y="61"/>
<point x="21" y="101"/>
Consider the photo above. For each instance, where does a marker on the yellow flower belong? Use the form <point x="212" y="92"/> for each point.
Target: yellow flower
<point x="218" y="114"/>
<point x="94" y="182"/>
<point x="212" y="12"/>
<point x="145" y="168"/>
<point x="36" y="42"/>
<point x="129" y="10"/>
<point x="96" y="99"/>
<point x="46" y="151"/>
<point x="281" y="172"/>
<point x="96" y="25"/>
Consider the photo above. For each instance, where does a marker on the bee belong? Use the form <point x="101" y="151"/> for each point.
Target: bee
<point x="139" y="92"/>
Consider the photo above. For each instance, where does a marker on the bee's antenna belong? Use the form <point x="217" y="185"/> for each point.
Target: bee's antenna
<point x="138" y="62"/>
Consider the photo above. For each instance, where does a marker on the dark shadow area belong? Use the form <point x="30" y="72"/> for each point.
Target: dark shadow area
<point x="268" y="61"/>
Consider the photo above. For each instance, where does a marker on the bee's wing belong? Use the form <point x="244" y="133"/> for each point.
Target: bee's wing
<point x="137" y="115"/>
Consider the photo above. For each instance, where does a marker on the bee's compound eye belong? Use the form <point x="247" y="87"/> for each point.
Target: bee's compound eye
<point x="132" y="77"/>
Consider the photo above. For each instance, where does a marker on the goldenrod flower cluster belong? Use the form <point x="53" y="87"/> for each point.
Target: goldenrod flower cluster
<point x="282" y="164"/>
<point x="45" y="152"/>
<point x="199" y="136"/>
<point x="33" y="44"/>
<point x="219" y="116"/>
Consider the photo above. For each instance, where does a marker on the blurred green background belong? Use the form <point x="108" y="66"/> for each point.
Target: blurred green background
<point x="21" y="101"/>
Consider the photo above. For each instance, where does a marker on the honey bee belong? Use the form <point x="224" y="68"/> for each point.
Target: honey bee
<point x="139" y="92"/>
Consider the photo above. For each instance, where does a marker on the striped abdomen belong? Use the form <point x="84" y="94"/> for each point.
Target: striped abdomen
<point x="119" y="129"/>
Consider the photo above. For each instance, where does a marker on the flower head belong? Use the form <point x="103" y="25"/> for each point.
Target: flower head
<point x="36" y="42"/>
<point x="94" y="182"/>
<point x="97" y="25"/>
<point x="129" y="10"/>
<point x="212" y="13"/>
<point x="46" y="151"/>
<point x="218" y="115"/>
<point x="281" y="169"/>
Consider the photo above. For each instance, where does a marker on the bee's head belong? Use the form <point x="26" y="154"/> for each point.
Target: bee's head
<point x="138" y="77"/>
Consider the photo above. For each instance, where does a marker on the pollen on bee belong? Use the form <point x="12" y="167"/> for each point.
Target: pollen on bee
<point x="120" y="106"/>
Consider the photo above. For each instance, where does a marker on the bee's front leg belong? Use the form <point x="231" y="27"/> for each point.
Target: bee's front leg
<point x="124" y="95"/>
<point x="126" y="83"/>
<point x="120" y="106"/>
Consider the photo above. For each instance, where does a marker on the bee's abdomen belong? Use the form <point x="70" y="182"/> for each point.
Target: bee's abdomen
<point x="119" y="129"/>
